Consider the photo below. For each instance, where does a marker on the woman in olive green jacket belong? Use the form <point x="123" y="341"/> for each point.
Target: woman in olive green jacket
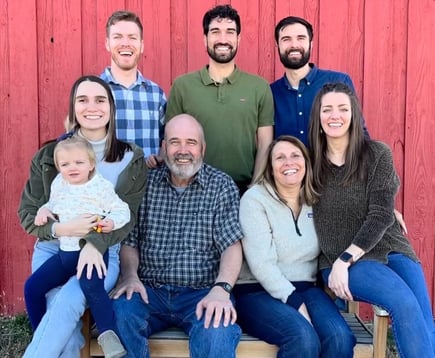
<point x="91" y="115"/>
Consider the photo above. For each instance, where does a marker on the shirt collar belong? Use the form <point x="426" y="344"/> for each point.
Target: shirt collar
<point x="207" y="80"/>
<point x="108" y="77"/>
<point x="308" y="78"/>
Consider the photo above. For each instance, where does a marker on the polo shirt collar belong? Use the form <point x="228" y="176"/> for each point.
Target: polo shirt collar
<point x="207" y="80"/>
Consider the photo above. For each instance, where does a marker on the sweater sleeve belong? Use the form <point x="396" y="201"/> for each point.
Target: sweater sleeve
<point x="259" y="248"/>
<point x="382" y="186"/>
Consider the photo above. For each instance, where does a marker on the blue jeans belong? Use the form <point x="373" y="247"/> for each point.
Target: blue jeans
<point x="400" y="288"/>
<point x="271" y="320"/>
<point x="172" y="306"/>
<point x="59" y="332"/>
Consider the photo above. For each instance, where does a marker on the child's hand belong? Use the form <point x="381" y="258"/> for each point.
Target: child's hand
<point x="42" y="216"/>
<point x="105" y="225"/>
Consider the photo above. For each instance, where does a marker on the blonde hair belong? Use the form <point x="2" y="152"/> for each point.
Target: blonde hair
<point x="75" y="142"/>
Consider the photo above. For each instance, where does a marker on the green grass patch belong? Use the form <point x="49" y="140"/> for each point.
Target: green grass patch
<point x="15" y="335"/>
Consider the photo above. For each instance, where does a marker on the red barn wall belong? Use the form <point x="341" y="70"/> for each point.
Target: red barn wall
<point x="384" y="45"/>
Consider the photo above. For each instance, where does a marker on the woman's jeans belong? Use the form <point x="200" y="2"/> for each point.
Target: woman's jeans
<point x="399" y="287"/>
<point x="172" y="306"/>
<point x="271" y="320"/>
<point x="59" y="332"/>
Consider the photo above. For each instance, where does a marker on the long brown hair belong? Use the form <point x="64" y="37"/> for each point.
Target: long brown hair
<point x="354" y="167"/>
<point x="115" y="148"/>
<point x="307" y="193"/>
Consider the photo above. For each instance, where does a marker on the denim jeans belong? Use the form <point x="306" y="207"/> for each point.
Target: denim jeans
<point x="171" y="306"/>
<point x="59" y="333"/>
<point x="399" y="287"/>
<point x="271" y="320"/>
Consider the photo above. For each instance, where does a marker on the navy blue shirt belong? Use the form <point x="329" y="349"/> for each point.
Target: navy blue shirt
<point x="293" y="106"/>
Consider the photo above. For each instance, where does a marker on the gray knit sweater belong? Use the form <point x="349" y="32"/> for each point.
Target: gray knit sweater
<point x="361" y="213"/>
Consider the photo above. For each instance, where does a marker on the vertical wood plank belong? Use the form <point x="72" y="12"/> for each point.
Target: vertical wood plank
<point x="19" y="140"/>
<point x="340" y="36"/>
<point x="156" y="62"/>
<point x="266" y="43"/>
<point x="248" y="51"/>
<point x="59" y="61"/>
<point x="384" y="76"/>
<point x="419" y="182"/>
<point x="179" y="40"/>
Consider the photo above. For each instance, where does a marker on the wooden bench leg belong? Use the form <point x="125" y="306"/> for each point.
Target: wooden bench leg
<point x="380" y="328"/>
<point x="86" y="331"/>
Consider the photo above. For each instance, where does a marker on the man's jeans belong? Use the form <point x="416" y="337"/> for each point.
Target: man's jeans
<point x="275" y="322"/>
<point x="399" y="287"/>
<point x="59" y="333"/>
<point x="172" y="306"/>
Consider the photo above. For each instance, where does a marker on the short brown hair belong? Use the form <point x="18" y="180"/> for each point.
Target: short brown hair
<point x="123" y="15"/>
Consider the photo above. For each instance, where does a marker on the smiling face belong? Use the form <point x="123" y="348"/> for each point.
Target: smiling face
<point x="335" y="114"/>
<point x="294" y="46"/>
<point x="92" y="109"/>
<point x="288" y="165"/>
<point x="222" y="40"/>
<point x="184" y="148"/>
<point x="74" y="164"/>
<point x="125" y="44"/>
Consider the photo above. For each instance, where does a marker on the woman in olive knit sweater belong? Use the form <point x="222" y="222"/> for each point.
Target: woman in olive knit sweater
<point x="365" y="256"/>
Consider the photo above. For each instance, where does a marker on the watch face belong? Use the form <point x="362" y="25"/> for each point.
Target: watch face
<point x="346" y="257"/>
<point x="225" y="285"/>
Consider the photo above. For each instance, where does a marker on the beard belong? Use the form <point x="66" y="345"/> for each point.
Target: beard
<point x="183" y="171"/>
<point x="224" y="58"/>
<point x="294" y="64"/>
<point x="123" y="65"/>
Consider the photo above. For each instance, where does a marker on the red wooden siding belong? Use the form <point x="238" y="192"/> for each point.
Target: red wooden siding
<point x="384" y="45"/>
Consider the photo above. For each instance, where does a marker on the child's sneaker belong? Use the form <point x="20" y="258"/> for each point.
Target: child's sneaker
<point x="111" y="345"/>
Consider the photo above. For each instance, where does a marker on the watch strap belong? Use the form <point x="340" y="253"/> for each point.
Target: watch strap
<point x="225" y="285"/>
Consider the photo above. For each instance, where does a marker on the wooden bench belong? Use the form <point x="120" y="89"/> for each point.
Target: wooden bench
<point x="173" y="343"/>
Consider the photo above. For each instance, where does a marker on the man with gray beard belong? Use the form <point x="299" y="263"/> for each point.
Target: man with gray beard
<point x="181" y="260"/>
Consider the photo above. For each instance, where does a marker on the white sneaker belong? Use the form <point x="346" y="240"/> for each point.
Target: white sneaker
<point x="111" y="345"/>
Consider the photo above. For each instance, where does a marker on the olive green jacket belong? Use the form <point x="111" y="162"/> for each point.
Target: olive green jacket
<point x="130" y="188"/>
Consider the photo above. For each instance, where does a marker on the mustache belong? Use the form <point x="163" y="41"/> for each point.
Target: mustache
<point x="223" y="44"/>
<point x="287" y="52"/>
<point x="184" y="157"/>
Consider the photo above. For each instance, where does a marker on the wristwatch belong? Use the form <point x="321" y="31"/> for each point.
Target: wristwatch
<point x="225" y="285"/>
<point x="346" y="257"/>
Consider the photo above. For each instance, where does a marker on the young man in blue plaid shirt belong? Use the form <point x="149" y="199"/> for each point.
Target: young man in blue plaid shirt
<point x="181" y="260"/>
<point x="140" y="103"/>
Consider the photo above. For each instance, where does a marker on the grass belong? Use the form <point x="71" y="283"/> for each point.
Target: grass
<point x="15" y="335"/>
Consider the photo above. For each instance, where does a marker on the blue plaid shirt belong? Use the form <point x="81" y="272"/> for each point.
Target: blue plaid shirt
<point x="180" y="237"/>
<point x="140" y="111"/>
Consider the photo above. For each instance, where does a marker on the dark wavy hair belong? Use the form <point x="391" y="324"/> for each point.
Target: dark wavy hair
<point x="307" y="193"/>
<point x="353" y="166"/>
<point x="221" y="12"/>
<point x="115" y="148"/>
<point x="290" y="20"/>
